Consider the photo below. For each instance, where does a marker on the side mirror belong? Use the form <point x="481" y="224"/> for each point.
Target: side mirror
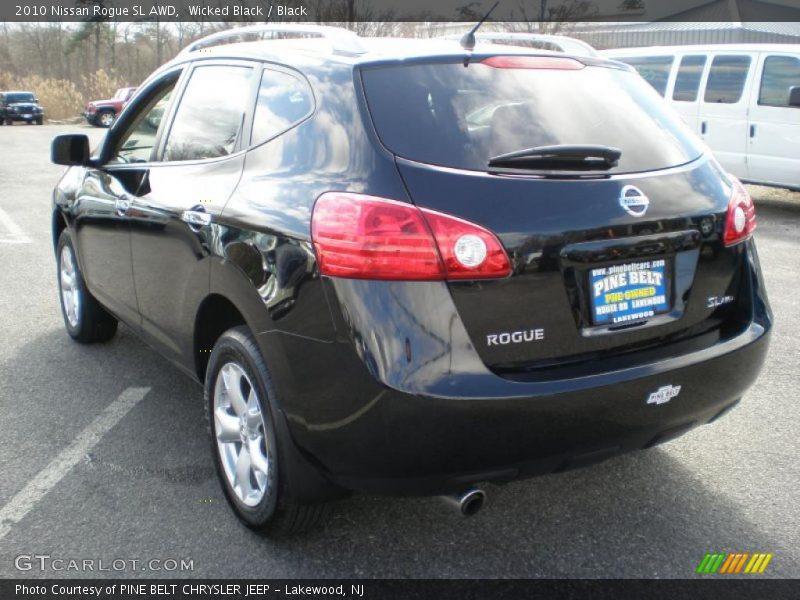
<point x="794" y="96"/>
<point x="70" y="150"/>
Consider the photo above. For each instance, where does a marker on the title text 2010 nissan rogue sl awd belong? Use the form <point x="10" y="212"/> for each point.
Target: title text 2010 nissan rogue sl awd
<point x="405" y="267"/>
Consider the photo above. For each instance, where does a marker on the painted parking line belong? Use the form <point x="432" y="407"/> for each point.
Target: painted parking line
<point x="10" y="232"/>
<point x="26" y="499"/>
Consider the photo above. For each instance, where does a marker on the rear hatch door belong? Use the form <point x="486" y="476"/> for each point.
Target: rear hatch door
<point x="608" y="256"/>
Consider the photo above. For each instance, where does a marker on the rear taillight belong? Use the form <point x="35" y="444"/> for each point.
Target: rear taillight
<point x="741" y="219"/>
<point x="364" y="237"/>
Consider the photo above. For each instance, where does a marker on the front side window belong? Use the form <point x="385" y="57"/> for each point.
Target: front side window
<point x="283" y="101"/>
<point x="210" y="115"/>
<point x="726" y="79"/>
<point x="687" y="82"/>
<point x="654" y="70"/>
<point x="781" y="74"/>
<point x="137" y="143"/>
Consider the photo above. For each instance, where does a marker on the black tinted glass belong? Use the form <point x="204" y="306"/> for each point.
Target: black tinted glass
<point x="726" y="79"/>
<point x="687" y="81"/>
<point x="138" y="142"/>
<point x="210" y="114"/>
<point x="448" y="115"/>
<point x="13" y="98"/>
<point x="781" y="73"/>
<point x="283" y="100"/>
<point x="654" y="70"/>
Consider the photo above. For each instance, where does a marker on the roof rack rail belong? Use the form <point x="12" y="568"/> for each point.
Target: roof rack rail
<point x="342" y="40"/>
<point x="561" y="43"/>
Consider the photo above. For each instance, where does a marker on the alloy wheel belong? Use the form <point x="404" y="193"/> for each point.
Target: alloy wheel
<point x="70" y="290"/>
<point x="107" y="119"/>
<point x="241" y="435"/>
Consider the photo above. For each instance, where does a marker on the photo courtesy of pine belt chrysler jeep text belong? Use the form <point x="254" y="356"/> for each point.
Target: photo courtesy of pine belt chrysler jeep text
<point x="412" y="267"/>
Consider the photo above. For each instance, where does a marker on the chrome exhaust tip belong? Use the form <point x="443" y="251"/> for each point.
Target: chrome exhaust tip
<point x="468" y="502"/>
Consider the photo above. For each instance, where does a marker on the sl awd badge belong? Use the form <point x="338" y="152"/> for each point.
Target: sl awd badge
<point x="664" y="394"/>
<point x="634" y="201"/>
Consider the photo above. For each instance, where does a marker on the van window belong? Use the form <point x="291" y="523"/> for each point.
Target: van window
<point x="446" y="114"/>
<point x="781" y="73"/>
<point x="726" y="79"/>
<point x="687" y="81"/>
<point x="211" y="113"/>
<point x="654" y="69"/>
<point x="283" y="101"/>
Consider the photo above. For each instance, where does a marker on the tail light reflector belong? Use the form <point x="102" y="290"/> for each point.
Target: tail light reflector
<point x="740" y="222"/>
<point x="364" y="237"/>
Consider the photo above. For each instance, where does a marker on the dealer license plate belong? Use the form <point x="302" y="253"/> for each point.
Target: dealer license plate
<point x="629" y="292"/>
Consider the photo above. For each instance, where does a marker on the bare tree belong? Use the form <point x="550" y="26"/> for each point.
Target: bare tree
<point x="539" y="16"/>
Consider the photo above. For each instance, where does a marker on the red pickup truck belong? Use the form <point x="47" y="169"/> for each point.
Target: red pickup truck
<point x="103" y="113"/>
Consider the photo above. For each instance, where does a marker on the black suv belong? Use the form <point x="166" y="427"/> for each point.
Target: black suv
<point x="20" y="106"/>
<point x="407" y="267"/>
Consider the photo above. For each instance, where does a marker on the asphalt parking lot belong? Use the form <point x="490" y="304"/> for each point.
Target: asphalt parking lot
<point x="144" y="487"/>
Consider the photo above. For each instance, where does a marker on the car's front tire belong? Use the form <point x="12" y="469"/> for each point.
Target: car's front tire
<point x="85" y="319"/>
<point x="239" y="400"/>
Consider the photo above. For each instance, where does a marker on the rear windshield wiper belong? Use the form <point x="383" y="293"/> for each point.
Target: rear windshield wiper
<point x="565" y="156"/>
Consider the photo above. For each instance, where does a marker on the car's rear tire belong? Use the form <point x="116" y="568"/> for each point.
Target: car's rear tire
<point x="85" y="319"/>
<point x="106" y="118"/>
<point x="40" y="121"/>
<point x="239" y="398"/>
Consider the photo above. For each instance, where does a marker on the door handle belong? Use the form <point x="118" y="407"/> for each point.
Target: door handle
<point x="196" y="218"/>
<point x="122" y="205"/>
<point x="752" y="131"/>
<point x="703" y="127"/>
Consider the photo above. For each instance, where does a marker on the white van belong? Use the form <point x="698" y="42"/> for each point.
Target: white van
<point x="743" y="99"/>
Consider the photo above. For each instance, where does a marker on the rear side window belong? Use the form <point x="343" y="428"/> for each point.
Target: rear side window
<point x="781" y="73"/>
<point x="654" y="69"/>
<point x="449" y="115"/>
<point x="687" y="82"/>
<point x="283" y="101"/>
<point x="210" y="116"/>
<point x="726" y="79"/>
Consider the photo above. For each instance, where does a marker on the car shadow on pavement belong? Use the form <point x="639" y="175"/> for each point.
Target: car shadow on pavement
<point x="640" y="515"/>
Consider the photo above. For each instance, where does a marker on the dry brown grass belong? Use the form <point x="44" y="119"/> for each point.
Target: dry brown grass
<point x="63" y="99"/>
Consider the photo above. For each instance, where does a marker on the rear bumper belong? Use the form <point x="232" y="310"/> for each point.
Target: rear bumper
<point x="413" y="444"/>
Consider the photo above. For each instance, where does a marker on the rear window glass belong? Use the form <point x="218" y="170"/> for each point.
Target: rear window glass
<point x="654" y="69"/>
<point x="726" y="79"/>
<point x="688" y="80"/>
<point x="449" y="115"/>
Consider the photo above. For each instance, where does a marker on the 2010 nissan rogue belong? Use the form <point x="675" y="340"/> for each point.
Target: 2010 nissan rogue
<point x="409" y="267"/>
